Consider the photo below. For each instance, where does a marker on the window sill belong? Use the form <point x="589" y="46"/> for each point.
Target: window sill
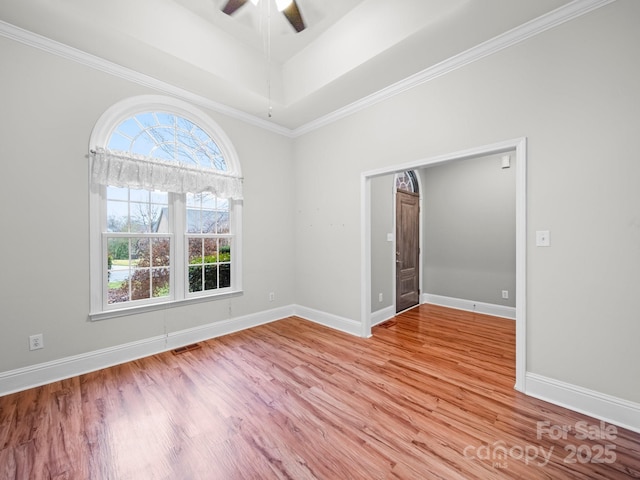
<point x="123" y="312"/>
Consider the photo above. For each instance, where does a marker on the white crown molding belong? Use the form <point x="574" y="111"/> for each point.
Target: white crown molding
<point x="545" y="22"/>
<point x="70" y="53"/>
<point x="527" y="30"/>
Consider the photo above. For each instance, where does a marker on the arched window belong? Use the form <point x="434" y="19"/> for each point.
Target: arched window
<point x="166" y="207"/>
<point x="407" y="181"/>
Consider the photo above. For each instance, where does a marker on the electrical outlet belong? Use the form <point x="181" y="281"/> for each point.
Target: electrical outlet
<point x="542" y="238"/>
<point x="505" y="294"/>
<point x="379" y="297"/>
<point x="272" y="296"/>
<point x="36" y="342"/>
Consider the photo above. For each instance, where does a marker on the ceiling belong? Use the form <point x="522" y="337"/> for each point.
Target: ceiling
<point x="254" y="59"/>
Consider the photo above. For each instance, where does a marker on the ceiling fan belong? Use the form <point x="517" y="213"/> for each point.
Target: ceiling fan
<point x="288" y="7"/>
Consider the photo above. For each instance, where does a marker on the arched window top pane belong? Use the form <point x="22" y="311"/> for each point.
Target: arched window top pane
<point x="407" y="181"/>
<point x="167" y="136"/>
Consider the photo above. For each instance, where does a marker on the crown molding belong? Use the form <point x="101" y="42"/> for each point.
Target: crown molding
<point x="519" y="34"/>
<point x="530" y="29"/>
<point x="92" y="61"/>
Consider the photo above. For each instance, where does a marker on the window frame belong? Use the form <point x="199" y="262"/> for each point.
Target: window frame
<point x="179" y="294"/>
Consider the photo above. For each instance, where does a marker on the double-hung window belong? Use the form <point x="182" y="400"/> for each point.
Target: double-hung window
<point x="166" y="195"/>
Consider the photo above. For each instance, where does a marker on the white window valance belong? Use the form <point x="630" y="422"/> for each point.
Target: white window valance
<point x="123" y="169"/>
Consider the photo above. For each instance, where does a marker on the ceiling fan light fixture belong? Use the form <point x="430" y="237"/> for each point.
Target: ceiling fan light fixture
<point x="282" y="4"/>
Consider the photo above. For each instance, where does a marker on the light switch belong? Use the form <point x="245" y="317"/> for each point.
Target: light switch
<point x="389" y="237"/>
<point x="542" y="238"/>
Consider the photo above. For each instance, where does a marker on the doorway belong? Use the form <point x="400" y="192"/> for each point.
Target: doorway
<point x="517" y="146"/>
<point x="407" y="250"/>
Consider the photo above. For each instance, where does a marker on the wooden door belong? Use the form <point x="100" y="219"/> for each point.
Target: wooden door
<point x="407" y="250"/>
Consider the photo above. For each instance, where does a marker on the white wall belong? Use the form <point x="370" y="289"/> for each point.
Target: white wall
<point x="572" y="91"/>
<point x="49" y="107"/>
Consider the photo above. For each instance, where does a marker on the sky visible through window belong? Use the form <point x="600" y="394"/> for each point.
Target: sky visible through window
<point x="168" y="137"/>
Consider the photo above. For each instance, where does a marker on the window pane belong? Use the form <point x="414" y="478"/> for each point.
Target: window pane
<point x="195" y="251"/>
<point x="195" y="279"/>
<point x="192" y="200"/>
<point x="142" y="144"/>
<point x="208" y="200"/>
<point x="224" y="250"/>
<point x="222" y="224"/>
<point x="140" y="284"/>
<point x="156" y="213"/>
<point x="119" y="142"/>
<point x="146" y="119"/>
<point x="184" y="155"/>
<point x="225" y="275"/>
<point x="140" y="254"/>
<point x="223" y="204"/>
<point x="161" y="221"/>
<point x="165" y="118"/>
<point x="210" y="277"/>
<point x="129" y="128"/>
<point x="118" y="292"/>
<point x="141" y="217"/>
<point x="193" y="220"/>
<point x="210" y="250"/>
<point x="139" y="195"/>
<point x="117" y="193"/>
<point x="161" y="252"/>
<point x="161" y="278"/>
<point x="117" y="216"/>
<point x="208" y="221"/>
<point x="163" y="151"/>
<point x="118" y="250"/>
<point x="118" y="270"/>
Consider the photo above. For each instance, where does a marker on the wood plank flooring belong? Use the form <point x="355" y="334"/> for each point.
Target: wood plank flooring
<point x="429" y="396"/>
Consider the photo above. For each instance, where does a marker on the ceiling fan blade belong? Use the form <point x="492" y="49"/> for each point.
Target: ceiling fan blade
<point x="233" y="5"/>
<point x="292" y="12"/>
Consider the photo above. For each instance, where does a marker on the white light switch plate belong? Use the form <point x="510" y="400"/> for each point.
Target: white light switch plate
<point x="542" y="238"/>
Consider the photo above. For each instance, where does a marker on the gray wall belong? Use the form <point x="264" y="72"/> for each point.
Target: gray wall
<point x="49" y="107"/>
<point x="382" y="255"/>
<point x="573" y="92"/>
<point x="469" y="230"/>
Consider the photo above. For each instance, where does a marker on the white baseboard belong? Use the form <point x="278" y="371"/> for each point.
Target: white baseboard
<point x="614" y="410"/>
<point x="470" y="305"/>
<point x="329" y="320"/>
<point x="43" y="373"/>
<point x="382" y="315"/>
<point x="617" y="411"/>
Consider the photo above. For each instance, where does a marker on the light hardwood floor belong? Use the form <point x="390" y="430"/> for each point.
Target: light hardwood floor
<point x="430" y="395"/>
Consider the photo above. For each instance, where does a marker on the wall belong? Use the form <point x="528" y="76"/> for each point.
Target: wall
<point x="49" y="107"/>
<point x="469" y="234"/>
<point x="572" y="91"/>
<point x="382" y="254"/>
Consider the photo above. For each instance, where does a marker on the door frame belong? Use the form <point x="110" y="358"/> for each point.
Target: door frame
<point x="517" y="145"/>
